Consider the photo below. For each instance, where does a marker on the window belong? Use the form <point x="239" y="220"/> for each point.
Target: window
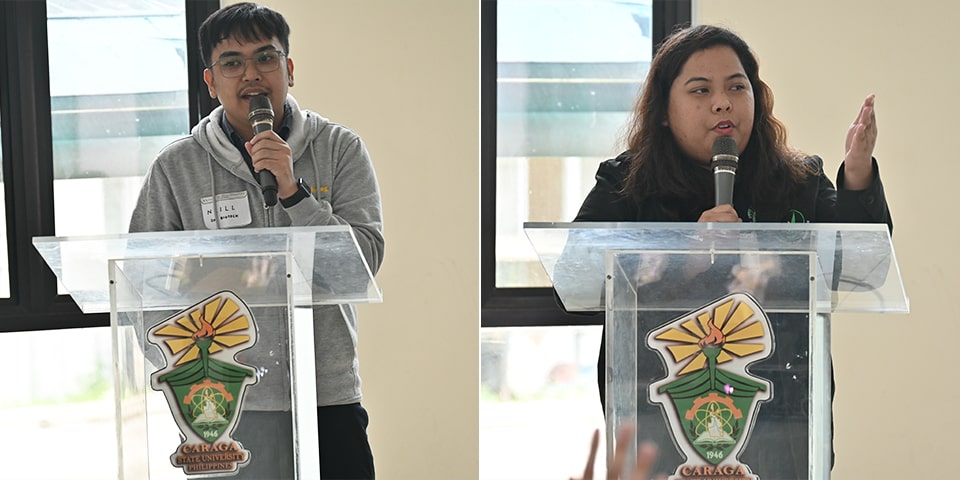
<point x="89" y="92"/>
<point x="558" y="81"/>
<point x="567" y="74"/>
<point x="109" y="122"/>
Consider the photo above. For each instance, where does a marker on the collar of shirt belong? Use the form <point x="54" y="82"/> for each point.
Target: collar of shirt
<point x="283" y="131"/>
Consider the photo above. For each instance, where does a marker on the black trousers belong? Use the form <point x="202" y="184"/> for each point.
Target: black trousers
<point x="344" y="448"/>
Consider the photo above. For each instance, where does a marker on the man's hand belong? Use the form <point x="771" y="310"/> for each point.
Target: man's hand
<point x="269" y="151"/>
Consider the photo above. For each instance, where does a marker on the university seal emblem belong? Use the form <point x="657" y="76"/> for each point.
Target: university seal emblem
<point x="203" y="383"/>
<point x="709" y="398"/>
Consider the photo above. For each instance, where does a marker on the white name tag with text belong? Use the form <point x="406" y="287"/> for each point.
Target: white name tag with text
<point x="233" y="210"/>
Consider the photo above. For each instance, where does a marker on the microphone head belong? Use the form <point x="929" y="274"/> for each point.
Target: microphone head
<point x="261" y="114"/>
<point x="724" y="159"/>
<point x="260" y="105"/>
<point x="723" y="146"/>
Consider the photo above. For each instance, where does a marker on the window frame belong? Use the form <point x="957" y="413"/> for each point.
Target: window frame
<point x="519" y="306"/>
<point x="26" y="138"/>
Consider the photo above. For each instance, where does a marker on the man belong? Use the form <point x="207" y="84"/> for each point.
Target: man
<point x="324" y="176"/>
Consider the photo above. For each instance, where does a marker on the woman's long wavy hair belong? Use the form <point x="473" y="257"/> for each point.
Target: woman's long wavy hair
<point x="658" y="167"/>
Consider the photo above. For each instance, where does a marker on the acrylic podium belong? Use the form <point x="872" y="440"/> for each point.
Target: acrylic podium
<point x="211" y="329"/>
<point x="718" y="335"/>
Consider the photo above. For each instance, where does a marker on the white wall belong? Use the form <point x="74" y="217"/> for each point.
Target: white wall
<point x="894" y="373"/>
<point x="405" y="76"/>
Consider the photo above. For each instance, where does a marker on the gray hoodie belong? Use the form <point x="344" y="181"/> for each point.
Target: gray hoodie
<point x="195" y="174"/>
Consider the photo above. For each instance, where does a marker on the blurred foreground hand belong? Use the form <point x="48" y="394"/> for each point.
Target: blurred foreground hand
<point x="646" y="457"/>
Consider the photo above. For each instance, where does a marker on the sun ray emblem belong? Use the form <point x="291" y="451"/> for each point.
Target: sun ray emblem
<point x="183" y="333"/>
<point x="730" y="326"/>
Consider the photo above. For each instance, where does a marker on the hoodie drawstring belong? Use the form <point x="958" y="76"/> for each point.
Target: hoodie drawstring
<point x="316" y="170"/>
<point x="213" y="190"/>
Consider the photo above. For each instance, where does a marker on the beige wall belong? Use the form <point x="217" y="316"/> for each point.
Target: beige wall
<point x="896" y="384"/>
<point x="405" y="76"/>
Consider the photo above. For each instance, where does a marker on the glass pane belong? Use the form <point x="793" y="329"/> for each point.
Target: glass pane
<point x="66" y="406"/>
<point x="568" y="72"/>
<point x="118" y="86"/>
<point x="539" y="402"/>
<point x="4" y="260"/>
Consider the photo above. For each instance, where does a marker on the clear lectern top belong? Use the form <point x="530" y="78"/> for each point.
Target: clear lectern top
<point x="857" y="270"/>
<point x="330" y="253"/>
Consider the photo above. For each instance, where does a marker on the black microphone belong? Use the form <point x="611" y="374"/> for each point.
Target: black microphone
<point x="724" y="163"/>
<point x="261" y="119"/>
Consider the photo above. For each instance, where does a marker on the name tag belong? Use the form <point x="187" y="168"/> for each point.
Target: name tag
<point x="232" y="209"/>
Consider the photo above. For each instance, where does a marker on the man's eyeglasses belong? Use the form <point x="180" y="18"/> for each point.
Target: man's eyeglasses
<point x="233" y="65"/>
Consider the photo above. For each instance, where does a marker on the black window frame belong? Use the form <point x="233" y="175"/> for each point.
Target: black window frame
<point x="26" y="138"/>
<point x="517" y="306"/>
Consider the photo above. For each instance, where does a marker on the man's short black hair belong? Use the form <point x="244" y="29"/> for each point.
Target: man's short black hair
<point x="247" y="22"/>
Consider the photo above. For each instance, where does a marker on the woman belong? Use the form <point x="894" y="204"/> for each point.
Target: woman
<point x="703" y="84"/>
